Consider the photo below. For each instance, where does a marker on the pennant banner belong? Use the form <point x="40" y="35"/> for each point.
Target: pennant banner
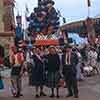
<point x="26" y="7"/>
<point x="89" y="3"/>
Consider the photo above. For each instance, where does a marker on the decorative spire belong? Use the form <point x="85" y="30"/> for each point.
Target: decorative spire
<point x="9" y="2"/>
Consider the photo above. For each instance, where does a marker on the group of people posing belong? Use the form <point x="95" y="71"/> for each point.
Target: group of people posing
<point x="45" y="68"/>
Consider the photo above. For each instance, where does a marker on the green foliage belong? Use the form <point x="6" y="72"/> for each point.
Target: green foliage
<point x="6" y="61"/>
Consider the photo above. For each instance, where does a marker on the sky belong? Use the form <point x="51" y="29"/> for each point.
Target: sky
<point x="72" y="10"/>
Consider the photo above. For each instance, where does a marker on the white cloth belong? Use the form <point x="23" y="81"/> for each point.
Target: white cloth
<point x="67" y="59"/>
<point x="88" y="68"/>
<point x="28" y="57"/>
<point x="92" y="57"/>
<point x="92" y="54"/>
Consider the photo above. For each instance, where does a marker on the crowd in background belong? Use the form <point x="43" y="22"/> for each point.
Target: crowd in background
<point x="52" y="66"/>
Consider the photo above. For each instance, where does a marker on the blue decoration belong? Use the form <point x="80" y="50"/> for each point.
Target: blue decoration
<point x="1" y="84"/>
<point x="19" y="32"/>
<point x="30" y="46"/>
<point x="37" y="30"/>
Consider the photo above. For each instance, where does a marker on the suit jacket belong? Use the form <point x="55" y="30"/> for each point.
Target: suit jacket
<point x="38" y="65"/>
<point x="70" y="69"/>
<point x="73" y="59"/>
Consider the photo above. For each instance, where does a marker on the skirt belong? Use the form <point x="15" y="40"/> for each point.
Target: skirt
<point x="53" y="79"/>
<point x="37" y="79"/>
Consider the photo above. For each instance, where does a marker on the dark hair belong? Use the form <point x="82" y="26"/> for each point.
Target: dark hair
<point x="74" y="49"/>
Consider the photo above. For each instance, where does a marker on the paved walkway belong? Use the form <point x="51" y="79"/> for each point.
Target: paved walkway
<point x="89" y="90"/>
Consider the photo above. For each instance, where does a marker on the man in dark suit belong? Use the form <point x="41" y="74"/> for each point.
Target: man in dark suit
<point x="69" y="61"/>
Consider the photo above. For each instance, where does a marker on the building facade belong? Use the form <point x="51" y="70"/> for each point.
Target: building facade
<point x="6" y="25"/>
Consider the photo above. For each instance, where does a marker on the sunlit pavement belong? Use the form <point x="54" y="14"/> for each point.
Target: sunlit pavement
<point x="89" y="90"/>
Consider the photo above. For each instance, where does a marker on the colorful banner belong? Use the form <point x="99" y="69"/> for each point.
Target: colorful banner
<point x="46" y="42"/>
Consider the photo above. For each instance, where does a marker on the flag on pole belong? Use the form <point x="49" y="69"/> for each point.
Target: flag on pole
<point x="64" y="20"/>
<point x="59" y="13"/>
<point x="88" y="3"/>
<point x="26" y="10"/>
<point x="26" y="24"/>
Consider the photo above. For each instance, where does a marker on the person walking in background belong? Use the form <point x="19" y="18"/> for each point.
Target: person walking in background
<point x="1" y="66"/>
<point x="13" y="70"/>
<point x="69" y="61"/>
<point x="79" y="75"/>
<point x="1" y="61"/>
<point x="29" y="63"/>
<point x="92" y="58"/>
<point x="16" y="60"/>
<point x="98" y="59"/>
<point x="38" y="74"/>
<point x="53" y="67"/>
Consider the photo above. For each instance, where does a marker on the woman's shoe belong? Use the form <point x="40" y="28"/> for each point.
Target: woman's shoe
<point x="42" y="94"/>
<point x="37" y="96"/>
<point x="69" y="95"/>
<point x="76" y="96"/>
<point x="58" y="96"/>
<point x="51" y="96"/>
<point x="17" y="96"/>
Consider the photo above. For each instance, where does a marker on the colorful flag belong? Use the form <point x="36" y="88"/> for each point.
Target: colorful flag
<point x="59" y="13"/>
<point x="88" y="3"/>
<point x="64" y="20"/>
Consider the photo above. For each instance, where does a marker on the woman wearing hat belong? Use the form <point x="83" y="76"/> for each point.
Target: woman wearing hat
<point x="53" y="64"/>
<point x="37" y="74"/>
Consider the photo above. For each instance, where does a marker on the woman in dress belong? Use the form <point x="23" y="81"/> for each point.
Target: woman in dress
<point x="38" y="74"/>
<point x="52" y="67"/>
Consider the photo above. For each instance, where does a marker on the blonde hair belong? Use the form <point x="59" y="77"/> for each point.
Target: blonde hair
<point x="52" y="47"/>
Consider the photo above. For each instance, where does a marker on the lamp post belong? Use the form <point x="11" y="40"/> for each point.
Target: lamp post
<point x="19" y="20"/>
<point x="19" y="32"/>
<point x="91" y="31"/>
<point x="90" y="26"/>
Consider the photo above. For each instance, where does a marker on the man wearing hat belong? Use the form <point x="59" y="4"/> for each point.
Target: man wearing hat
<point x="69" y="61"/>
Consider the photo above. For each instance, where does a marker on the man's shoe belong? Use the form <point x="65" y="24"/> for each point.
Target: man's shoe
<point x="76" y="96"/>
<point x="58" y="96"/>
<point x="69" y="95"/>
<point x="51" y="96"/>
<point x="37" y="96"/>
<point x="17" y="96"/>
<point x="21" y="94"/>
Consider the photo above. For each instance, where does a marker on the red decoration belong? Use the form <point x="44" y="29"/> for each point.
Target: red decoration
<point x="8" y="2"/>
<point x="46" y="42"/>
<point x="44" y="31"/>
<point x="34" y="35"/>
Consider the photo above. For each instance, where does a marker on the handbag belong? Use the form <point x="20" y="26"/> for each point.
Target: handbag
<point x="1" y="84"/>
<point x="62" y="82"/>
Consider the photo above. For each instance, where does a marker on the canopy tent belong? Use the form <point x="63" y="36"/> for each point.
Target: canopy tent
<point x="80" y="28"/>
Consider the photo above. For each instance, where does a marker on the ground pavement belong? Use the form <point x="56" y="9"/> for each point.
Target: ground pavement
<point x="89" y="90"/>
